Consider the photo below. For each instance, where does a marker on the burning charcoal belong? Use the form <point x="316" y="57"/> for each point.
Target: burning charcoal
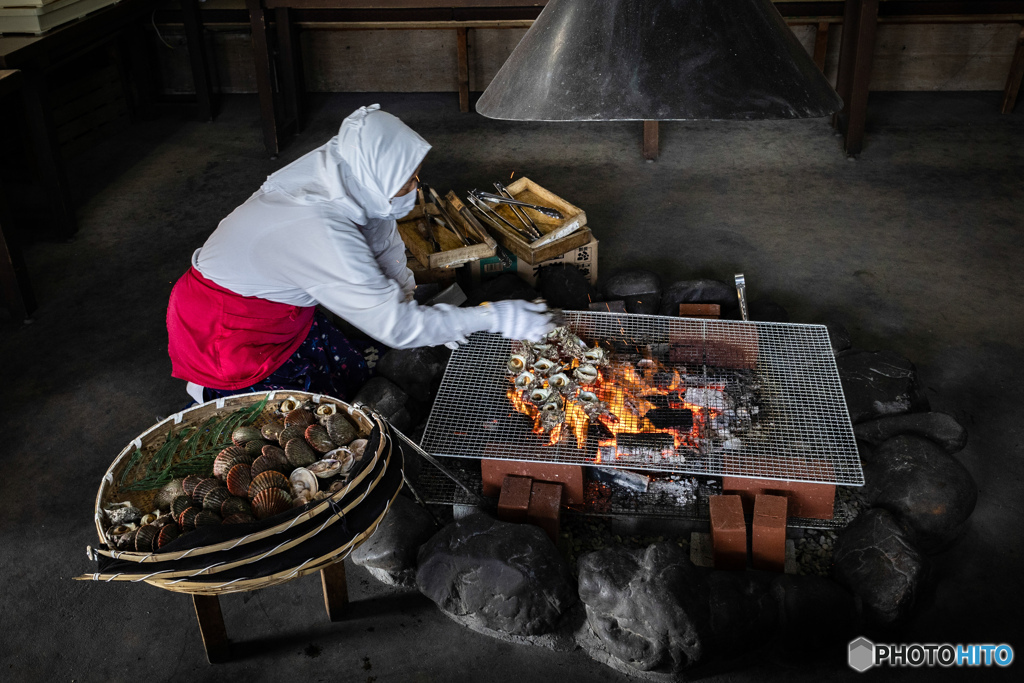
<point x="706" y="398"/>
<point x="663" y="380"/>
<point x="639" y="448"/>
<point x="625" y="478"/>
<point x="657" y="400"/>
<point x="671" y="418"/>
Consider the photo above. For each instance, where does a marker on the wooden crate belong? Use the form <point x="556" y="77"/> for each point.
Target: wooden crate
<point x="525" y="190"/>
<point x="415" y="227"/>
<point x="40" y="18"/>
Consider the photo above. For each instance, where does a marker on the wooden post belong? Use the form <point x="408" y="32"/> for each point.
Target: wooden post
<point x="264" y="76"/>
<point x="1013" y="79"/>
<point x="211" y="627"/>
<point x="855" y="57"/>
<point x="463" y="42"/>
<point x="821" y="45"/>
<point x="292" y="85"/>
<point x="335" y="586"/>
<point x="197" y="57"/>
<point x="650" y="146"/>
<point x="46" y="147"/>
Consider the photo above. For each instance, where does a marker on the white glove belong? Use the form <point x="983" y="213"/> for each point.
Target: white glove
<point x="520" y="319"/>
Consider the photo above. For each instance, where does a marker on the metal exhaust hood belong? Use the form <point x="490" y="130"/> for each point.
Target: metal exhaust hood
<point x="628" y="60"/>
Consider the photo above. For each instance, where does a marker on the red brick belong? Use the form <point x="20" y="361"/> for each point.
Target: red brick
<point x="700" y="310"/>
<point x="728" y="532"/>
<point x="570" y="476"/>
<point x="768" y="537"/>
<point x="812" y="501"/>
<point x="514" y="499"/>
<point x="545" y="507"/>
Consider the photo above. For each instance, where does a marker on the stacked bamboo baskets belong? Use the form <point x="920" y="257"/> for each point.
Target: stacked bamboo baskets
<point x="232" y="558"/>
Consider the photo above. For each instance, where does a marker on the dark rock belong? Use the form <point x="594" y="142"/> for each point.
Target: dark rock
<point x="649" y="606"/>
<point x="875" y="558"/>
<point x="505" y="286"/>
<point x="941" y="428"/>
<point x="565" y="286"/>
<point x="390" y="553"/>
<point x="697" y="292"/>
<point x="838" y="336"/>
<point x="382" y="395"/>
<point x="924" y="486"/>
<point x="814" y="612"/>
<point x="416" y="371"/>
<point x="743" y="609"/>
<point x="504" y="577"/>
<point x="878" y="384"/>
<point x="639" y="289"/>
<point x="767" y="311"/>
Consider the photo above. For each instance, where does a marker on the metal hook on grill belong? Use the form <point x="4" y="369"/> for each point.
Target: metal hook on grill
<point x="741" y="293"/>
<point x="480" y="500"/>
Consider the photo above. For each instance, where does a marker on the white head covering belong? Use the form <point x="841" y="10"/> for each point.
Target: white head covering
<point x="361" y="168"/>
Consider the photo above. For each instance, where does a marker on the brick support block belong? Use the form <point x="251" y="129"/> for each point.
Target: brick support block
<point x="768" y="537"/>
<point x="728" y="532"/>
<point x="570" y="476"/>
<point x="545" y="508"/>
<point x="811" y="501"/>
<point x="514" y="500"/>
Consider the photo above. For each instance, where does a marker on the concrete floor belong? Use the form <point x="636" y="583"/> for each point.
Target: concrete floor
<point x="916" y="247"/>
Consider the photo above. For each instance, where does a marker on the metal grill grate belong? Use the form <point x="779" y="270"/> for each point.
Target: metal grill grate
<point x="765" y="399"/>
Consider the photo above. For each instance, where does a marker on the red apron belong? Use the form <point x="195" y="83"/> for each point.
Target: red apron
<point x="223" y="340"/>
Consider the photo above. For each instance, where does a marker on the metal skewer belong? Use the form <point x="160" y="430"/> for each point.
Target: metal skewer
<point x="494" y="217"/>
<point x="527" y="222"/>
<point x="498" y="199"/>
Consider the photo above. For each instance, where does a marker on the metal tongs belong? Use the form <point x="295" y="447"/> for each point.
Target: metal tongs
<point x="493" y="217"/>
<point x="525" y="219"/>
<point x="498" y="199"/>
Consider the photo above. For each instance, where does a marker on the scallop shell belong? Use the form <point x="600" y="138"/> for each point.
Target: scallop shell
<point x="187" y="519"/>
<point x="291" y="432"/>
<point x="228" y="458"/>
<point x="517" y="363"/>
<point x="213" y="499"/>
<point x="244" y="434"/>
<point x="540" y="394"/>
<point x="189" y="483"/>
<point x="302" y="480"/>
<point x="328" y="467"/>
<point x="272" y="430"/>
<point x="586" y="374"/>
<point x="524" y="379"/>
<point x="299" y="416"/>
<point x="271" y="502"/>
<point x="340" y="429"/>
<point x="207" y="518"/>
<point x="233" y="506"/>
<point x="239" y="518"/>
<point x="204" y="487"/>
<point x="299" y="453"/>
<point x="145" y="539"/>
<point x="167" y="534"/>
<point x="238" y="479"/>
<point x="318" y="438"/>
<point x="268" y="480"/>
<point x="273" y="458"/>
<point x="168" y="493"/>
<point x="559" y="381"/>
<point x="254" y="448"/>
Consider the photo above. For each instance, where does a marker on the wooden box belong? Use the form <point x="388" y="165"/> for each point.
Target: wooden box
<point x="525" y="190"/>
<point x="416" y="227"/>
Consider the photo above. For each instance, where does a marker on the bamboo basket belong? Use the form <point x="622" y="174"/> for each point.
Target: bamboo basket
<point x="284" y="547"/>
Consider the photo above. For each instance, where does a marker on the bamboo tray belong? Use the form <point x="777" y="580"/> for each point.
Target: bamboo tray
<point x="525" y="190"/>
<point x="229" y="558"/>
<point x="414" y="228"/>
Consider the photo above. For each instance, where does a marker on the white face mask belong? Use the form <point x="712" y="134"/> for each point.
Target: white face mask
<point x="402" y="205"/>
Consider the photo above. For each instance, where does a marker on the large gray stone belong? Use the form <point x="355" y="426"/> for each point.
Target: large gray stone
<point x="697" y="292"/>
<point x="390" y="554"/>
<point x="411" y="369"/>
<point x="878" y="384"/>
<point x="926" y="487"/>
<point x="941" y="428"/>
<point x="649" y="607"/>
<point x="639" y="289"/>
<point x="565" y="286"/>
<point x="505" y="286"/>
<point x="382" y="395"/>
<point x="875" y="558"/>
<point x="504" y="577"/>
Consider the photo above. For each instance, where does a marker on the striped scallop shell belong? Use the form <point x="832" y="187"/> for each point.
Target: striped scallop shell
<point x="238" y="479"/>
<point x="179" y="505"/>
<point x="187" y="519"/>
<point x="291" y="432"/>
<point x="207" y="518"/>
<point x="254" y="448"/>
<point x="204" y="487"/>
<point x="271" y="502"/>
<point x="299" y="453"/>
<point x="300" y="416"/>
<point x="273" y="458"/>
<point x="189" y="483"/>
<point x="228" y="458"/>
<point x="213" y="499"/>
<point x="244" y="434"/>
<point x="319" y="439"/>
<point x="268" y="480"/>
<point x="167" y="534"/>
<point x="239" y="518"/>
<point x="145" y="539"/>
<point x="272" y="430"/>
<point x="235" y="505"/>
<point x="340" y="429"/>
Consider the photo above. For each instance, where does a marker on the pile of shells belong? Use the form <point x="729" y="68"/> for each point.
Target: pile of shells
<point x="302" y="455"/>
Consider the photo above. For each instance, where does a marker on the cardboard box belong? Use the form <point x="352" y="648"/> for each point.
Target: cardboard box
<point x="584" y="258"/>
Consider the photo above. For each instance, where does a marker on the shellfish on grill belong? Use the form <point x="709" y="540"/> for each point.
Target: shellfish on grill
<point x="543" y="366"/>
<point x="299" y="416"/>
<point x="244" y="434"/>
<point x="340" y="429"/>
<point x="168" y="493"/>
<point x="318" y="438"/>
<point x="328" y="467"/>
<point x="587" y="397"/>
<point x="524" y="379"/>
<point x="540" y="394"/>
<point x="303" y="482"/>
<point x="299" y="453"/>
<point x="559" y="381"/>
<point x="271" y="502"/>
<point x="517" y="362"/>
<point x="238" y="479"/>
<point x="586" y="374"/>
<point x="595" y="355"/>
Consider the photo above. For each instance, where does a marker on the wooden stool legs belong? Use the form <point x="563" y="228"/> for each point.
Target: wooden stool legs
<point x="332" y="577"/>
<point x="211" y="628"/>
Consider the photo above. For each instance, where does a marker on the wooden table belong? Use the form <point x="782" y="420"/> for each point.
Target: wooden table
<point x="36" y="55"/>
<point x="14" y="283"/>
